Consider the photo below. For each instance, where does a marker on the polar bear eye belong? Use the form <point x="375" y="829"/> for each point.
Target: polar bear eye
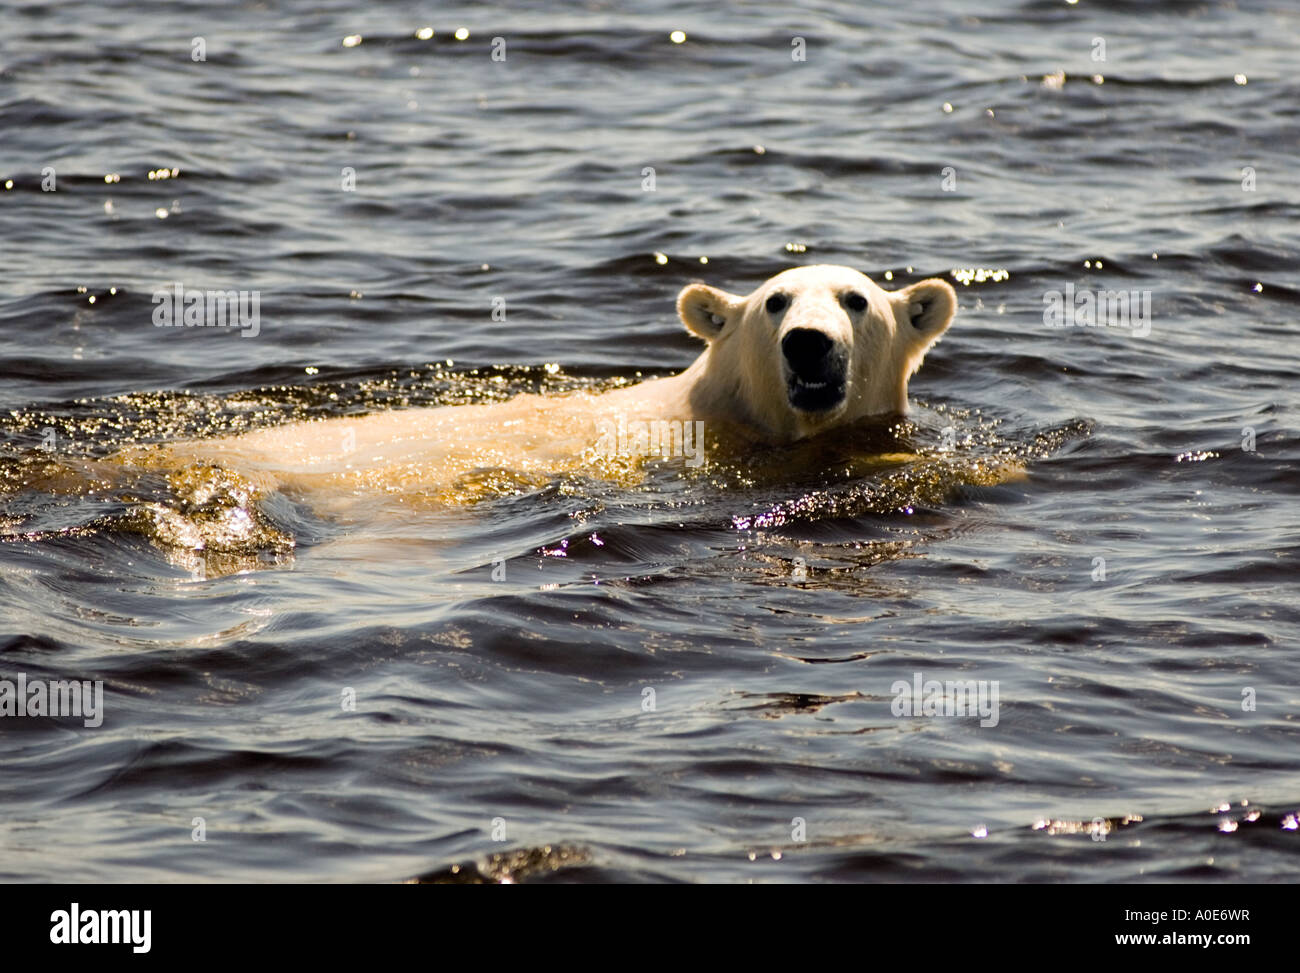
<point x="854" y="301"/>
<point x="776" y="303"/>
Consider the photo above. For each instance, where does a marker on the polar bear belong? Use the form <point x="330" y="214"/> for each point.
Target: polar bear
<point x="811" y="349"/>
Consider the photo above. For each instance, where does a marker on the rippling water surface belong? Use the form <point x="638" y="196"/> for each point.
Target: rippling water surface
<point x="691" y="677"/>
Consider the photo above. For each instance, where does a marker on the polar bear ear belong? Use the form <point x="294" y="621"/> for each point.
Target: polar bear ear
<point x="927" y="306"/>
<point x="706" y="311"/>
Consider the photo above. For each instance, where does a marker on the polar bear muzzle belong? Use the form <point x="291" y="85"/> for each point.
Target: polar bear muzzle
<point x="815" y="366"/>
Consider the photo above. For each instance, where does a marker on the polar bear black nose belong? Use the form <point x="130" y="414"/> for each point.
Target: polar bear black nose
<point x="806" y="350"/>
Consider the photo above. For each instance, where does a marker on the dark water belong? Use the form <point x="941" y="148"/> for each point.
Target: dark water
<point x="1171" y="455"/>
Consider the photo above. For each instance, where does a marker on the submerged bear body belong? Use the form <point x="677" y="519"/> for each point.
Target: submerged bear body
<point x="809" y="350"/>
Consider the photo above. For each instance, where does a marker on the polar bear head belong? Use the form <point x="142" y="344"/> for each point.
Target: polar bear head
<point x="813" y="347"/>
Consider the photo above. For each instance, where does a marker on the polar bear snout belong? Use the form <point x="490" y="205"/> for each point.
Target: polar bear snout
<point x="806" y="350"/>
<point x="816" y="365"/>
